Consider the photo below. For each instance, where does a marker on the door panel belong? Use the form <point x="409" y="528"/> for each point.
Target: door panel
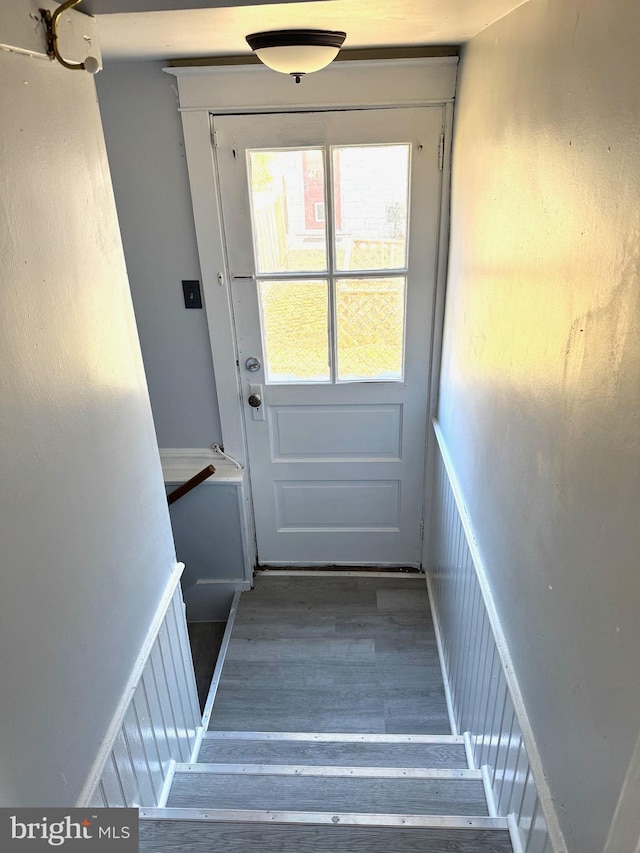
<point x="320" y="433"/>
<point x="337" y="505"/>
<point x="331" y="225"/>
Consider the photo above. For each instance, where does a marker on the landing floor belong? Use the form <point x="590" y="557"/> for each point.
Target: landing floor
<point x="333" y="654"/>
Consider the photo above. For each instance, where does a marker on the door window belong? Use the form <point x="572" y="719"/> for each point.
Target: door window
<point x="370" y="325"/>
<point x="370" y="198"/>
<point x="347" y="325"/>
<point x="284" y="189"/>
<point x="295" y="342"/>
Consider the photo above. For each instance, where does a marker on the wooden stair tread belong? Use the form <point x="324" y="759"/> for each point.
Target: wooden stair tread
<point x="320" y="794"/>
<point x="174" y="836"/>
<point x="363" y="754"/>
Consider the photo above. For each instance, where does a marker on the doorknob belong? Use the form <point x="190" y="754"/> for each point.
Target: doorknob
<point x="255" y="401"/>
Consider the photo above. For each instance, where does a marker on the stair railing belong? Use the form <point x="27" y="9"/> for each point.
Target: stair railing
<point x="185" y="488"/>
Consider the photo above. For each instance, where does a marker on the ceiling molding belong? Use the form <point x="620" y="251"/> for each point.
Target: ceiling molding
<point x="358" y="54"/>
<point x="362" y="84"/>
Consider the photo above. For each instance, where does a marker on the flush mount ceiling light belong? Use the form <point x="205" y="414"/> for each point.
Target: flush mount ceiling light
<point x="296" y="52"/>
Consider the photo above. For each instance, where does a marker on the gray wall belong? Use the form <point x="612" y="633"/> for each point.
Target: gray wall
<point x="540" y="396"/>
<point x="86" y="548"/>
<point x="143" y="133"/>
<point x="208" y="534"/>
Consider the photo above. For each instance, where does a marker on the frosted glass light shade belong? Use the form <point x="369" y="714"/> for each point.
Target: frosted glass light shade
<point x="297" y="60"/>
<point x="296" y="52"/>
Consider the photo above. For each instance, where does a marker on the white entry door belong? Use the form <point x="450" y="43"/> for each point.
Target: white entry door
<point x="331" y="229"/>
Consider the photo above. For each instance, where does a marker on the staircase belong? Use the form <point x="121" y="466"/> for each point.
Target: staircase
<point x="256" y="792"/>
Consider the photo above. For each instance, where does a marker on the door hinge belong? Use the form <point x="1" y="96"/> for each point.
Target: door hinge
<point x="441" y="153"/>
<point x="421" y="526"/>
<point x="214" y="137"/>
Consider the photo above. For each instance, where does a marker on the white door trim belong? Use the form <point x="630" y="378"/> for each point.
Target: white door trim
<point x="354" y="84"/>
<point x="438" y="323"/>
<point x="206" y="91"/>
<point x="213" y="268"/>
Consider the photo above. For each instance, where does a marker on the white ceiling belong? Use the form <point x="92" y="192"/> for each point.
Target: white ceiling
<point x="192" y="32"/>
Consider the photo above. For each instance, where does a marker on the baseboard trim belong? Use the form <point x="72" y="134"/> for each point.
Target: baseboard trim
<point x="117" y="720"/>
<point x="624" y="832"/>
<point x="168" y="782"/>
<point x="468" y="748"/>
<point x="323" y="566"/>
<point x="453" y="725"/>
<point x="488" y="790"/>
<point x="514" y="834"/>
<point x="217" y="673"/>
<point x="535" y="761"/>
<point x="340" y="573"/>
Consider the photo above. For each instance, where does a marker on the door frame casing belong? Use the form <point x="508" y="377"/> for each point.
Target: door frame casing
<point x="223" y="90"/>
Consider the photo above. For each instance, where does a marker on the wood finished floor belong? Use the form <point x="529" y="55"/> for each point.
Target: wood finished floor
<point x="333" y="654"/>
<point x="177" y="837"/>
<point x="321" y="793"/>
<point x="231" y="751"/>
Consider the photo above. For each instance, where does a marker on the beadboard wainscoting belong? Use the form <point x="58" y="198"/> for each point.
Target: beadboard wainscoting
<point x="482" y="689"/>
<point x="158" y="722"/>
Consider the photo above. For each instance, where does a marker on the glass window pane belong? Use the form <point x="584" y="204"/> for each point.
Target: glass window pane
<point x="295" y="335"/>
<point x="370" y="318"/>
<point x="287" y="210"/>
<point x="371" y="193"/>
